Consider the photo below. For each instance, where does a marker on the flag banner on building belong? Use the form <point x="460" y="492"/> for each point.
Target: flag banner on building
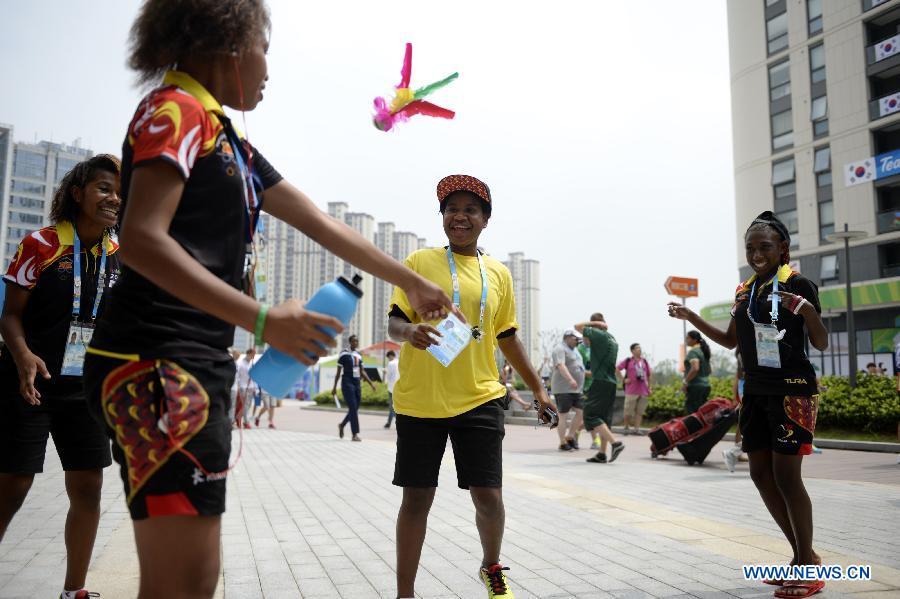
<point x="886" y="48"/>
<point x="888" y="104"/>
<point x="859" y="172"/>
<point x="887" y="164"/>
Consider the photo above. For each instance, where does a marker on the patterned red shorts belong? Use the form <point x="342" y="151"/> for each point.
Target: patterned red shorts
<point x="177" y="468"/>
<point x="783" y="423"/>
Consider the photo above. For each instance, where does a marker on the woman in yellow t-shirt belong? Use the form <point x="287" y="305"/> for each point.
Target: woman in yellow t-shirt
<point x="464" y="400"/>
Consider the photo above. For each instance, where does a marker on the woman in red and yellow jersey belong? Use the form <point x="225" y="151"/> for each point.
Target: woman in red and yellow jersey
<point x="56" y="288"/>
<point x="158" y="371"/>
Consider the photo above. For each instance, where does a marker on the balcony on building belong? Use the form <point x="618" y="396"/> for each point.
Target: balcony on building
<point x="885" y="93"/>
<point x="883" y="51"/>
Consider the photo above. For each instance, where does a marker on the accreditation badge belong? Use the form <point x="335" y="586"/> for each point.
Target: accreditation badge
<point x="767" y="336"/>
<point x="77" y="340"/>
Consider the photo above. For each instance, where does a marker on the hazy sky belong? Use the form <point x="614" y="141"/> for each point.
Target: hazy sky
<point x="603" y="128"/>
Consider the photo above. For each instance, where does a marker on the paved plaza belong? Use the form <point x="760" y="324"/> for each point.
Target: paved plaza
<point x="312" y="516"/>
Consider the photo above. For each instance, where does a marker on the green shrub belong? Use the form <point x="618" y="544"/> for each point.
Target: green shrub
<point x="873" y="406"/>
<point x="370" y="398"/>
<point x="667" y="401"/>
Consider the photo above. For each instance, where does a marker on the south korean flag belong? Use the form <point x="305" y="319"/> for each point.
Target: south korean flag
<point x="856" y="173"/>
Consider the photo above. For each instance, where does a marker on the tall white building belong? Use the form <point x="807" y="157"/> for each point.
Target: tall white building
<point x="384" y="240"/>
<point x="29" y="176"/>
<point x="526" y="276"/>
<point x="363" y="322"/>
<point x="280" y="245"/>
<point x="398" y="245"/>
<point x="815" y="91"/>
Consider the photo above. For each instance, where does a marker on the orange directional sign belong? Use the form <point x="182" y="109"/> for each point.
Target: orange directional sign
<point x="682" y="287"/>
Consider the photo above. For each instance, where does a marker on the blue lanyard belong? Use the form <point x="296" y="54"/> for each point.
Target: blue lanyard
<point x="484" y="284"/>
<point x="773" y="315"/>
<point x="251" y="202"/>
<point x="101" y="277"/>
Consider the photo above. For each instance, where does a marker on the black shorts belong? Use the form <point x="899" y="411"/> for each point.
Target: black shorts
<point x="179" y="472"/>
<point x="63" y="413"/>
<point x="782" y="423"/>
<point x="567" y="401"/>
<point x="600" y="404"/>
<point x="477" y="440"/>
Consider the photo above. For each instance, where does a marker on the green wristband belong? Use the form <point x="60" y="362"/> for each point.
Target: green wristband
<point x="261" y="324"/>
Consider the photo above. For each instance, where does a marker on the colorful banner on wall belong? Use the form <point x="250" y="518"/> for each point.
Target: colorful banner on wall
<point x="877" y="167"/>
<point x="886" y="48"/>
<point x="857" y="173"/>
<point x="888" y="104"/>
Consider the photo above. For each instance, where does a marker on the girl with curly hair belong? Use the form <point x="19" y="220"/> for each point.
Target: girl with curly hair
<point x="158" y="372"/>
<point x="56" y="288"/>
<point x="776" y="311"/>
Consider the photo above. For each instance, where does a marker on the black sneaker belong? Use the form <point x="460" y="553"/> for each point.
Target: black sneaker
<point x="617" y="448"/>
<point x="565" y="447"/>
<point x="572" y="443"/>
<point x="600" y="458"/>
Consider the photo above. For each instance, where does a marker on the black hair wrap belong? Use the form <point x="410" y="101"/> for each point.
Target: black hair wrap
<point x="768" y="218"/>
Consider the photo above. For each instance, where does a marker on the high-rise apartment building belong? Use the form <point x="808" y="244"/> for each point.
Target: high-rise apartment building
<point x="363" y="322"/>
<point x="29" y="176"/>
<point x="398" y="245"/>
<point x="815" y="88"/>
<point x="526" y="276"/>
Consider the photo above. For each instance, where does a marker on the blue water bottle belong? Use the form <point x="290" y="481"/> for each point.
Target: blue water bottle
<point x="277" y="372"/>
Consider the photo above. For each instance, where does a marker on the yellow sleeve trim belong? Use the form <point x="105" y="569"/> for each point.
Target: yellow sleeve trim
<point x="112" y="354"/>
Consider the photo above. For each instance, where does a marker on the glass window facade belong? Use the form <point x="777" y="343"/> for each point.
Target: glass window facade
<point x="28" y="187"/>
<point x="819" y="116"/>
<point x="782" y="130"/>
<point x="822" y="161"/>
<point x="829" y="267"/>
<point x="29" y="164"/>
<point x="777" y="33"/>
<point x="24" y="218"/>
<point x="826" y="219"/>
<point x="814" y="16"/>
<point x="783" y="179"/>
<point x="23" y="202"/>
<point x="63" y="166"/>
<point x="779" y="80"/>
<point x="817" y="63"/>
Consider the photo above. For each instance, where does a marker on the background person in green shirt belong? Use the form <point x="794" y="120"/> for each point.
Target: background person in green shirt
<point x="601" y="396"/>
<point x="696" y="372"/>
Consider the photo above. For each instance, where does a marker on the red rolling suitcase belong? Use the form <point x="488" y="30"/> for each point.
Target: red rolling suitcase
<point x="687" y="428"/>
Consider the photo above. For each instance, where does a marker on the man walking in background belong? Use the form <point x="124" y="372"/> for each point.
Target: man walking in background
<point x="601" y="399"/>
<point x="637" y="388"/>
<point x="566" y="383"/>
<point x="350" y="364"/>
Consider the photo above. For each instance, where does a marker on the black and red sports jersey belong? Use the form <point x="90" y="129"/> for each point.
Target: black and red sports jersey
<point x="43" y="265"/>
<point x="796" y="375"/>
<point x="181" y="124"/>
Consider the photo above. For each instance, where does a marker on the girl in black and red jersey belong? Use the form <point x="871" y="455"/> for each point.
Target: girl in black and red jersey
<point x="56" y="286"/>
<point x="158" y="372"/>
<point x="776" y="311"/>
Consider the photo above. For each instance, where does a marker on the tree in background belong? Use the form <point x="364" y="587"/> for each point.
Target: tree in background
<point x="549" y="339"/>
<point x="722" y="363"/>
<point x="665" y="372"/>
